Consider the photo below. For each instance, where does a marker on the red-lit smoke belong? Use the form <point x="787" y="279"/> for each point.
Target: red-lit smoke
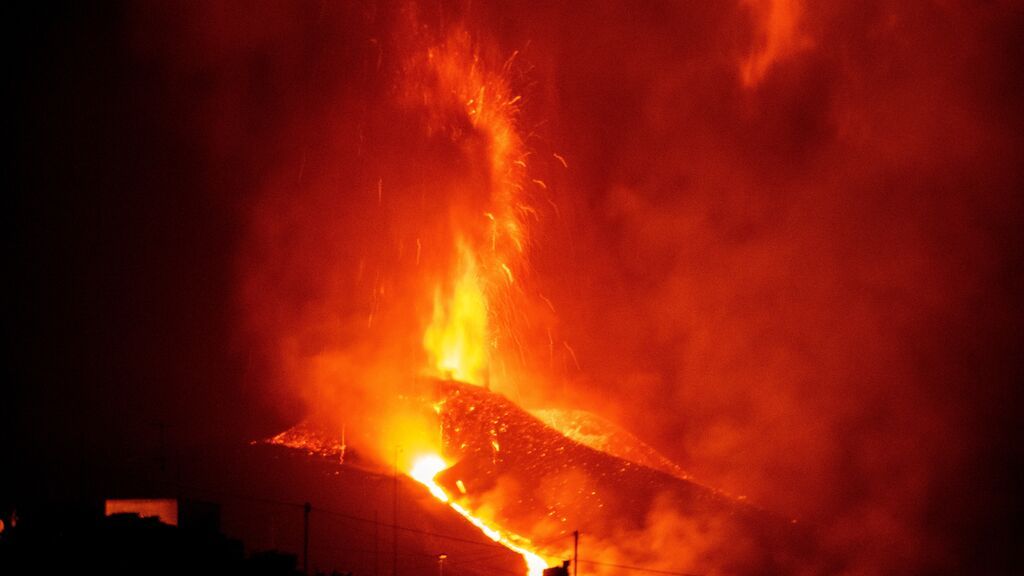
<point x="782" y="248"/>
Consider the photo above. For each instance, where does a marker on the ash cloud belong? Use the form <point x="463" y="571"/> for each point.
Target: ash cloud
<point x="805" y="287"/>
<point x="800" y="284"/>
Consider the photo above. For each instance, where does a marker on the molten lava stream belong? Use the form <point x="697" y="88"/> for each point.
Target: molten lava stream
<point x="426" y="468"/>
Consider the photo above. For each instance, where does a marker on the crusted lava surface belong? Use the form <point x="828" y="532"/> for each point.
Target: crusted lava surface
<point x="532" y="480"/>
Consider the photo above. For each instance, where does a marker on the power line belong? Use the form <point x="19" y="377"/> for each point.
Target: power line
<point x="413" y="530"/>
<point x="488" y="555"/>
<point x="483" y="558"/>
<point x="330" y="512"/>
<point x="637" y="568"/>
<point x="336" y="513"/>
<point x="471" y="563"/>
<point x="500" y="549"/>
<point x="334" y="548"/>
<point x="474" y="564"/>
<point x="549" y="541"/>
<point x="235" y="496"/>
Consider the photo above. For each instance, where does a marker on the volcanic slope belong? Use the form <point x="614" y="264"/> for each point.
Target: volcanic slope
<point x="601" y="435"/>
<point x="356" y="514"/>
<point x="527" y="478"/>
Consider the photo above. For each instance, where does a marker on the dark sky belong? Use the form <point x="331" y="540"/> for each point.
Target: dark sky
<point x="125" y="234"/>
<point x="802" y="286"/>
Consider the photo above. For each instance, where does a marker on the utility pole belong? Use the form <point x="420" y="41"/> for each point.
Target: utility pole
<point x="376" y="543"/>
<point x="163" y="446"/>
<point x="394" y="520"/>
<point x="306" y="508"/>
<point x="575" y="552"/>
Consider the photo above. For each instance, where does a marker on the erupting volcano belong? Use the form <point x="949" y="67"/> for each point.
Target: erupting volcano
<point x="398" y="287"/>
<point x="698" y="209"/>
<point x="459" y="274"/>
<point x="469" y="263"/>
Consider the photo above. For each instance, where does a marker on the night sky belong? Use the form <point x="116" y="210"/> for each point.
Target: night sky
<point x="797" y="276"/>
<point x="124" y="236"/>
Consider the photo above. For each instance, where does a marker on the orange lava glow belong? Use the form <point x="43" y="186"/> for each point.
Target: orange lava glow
<point x="467" y="330"/>
<point x="473" y="294"/>
<point x="456" y="339"/>
<point x="775" y="239"/>
<point x="426" y="468"/>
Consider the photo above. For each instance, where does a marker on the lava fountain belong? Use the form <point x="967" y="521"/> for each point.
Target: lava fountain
<point x="430" y="379"/>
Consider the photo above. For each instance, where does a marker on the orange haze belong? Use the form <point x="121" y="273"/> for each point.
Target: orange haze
<point x="777" y="240"/>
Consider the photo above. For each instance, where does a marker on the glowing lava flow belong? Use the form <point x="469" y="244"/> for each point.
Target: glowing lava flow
<point x="426" y="468"/>
<point x="476" y="289"/>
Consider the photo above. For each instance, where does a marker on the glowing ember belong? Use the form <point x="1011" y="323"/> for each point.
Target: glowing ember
<point x="426" y="468"/>
<point x="308" y="438"/>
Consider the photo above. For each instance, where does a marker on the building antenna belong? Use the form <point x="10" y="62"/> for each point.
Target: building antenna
<point x="306" y="508"/>
<point x="575" y="552"/>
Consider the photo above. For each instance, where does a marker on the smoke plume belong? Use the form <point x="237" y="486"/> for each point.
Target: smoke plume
<point x="777" y="240"/>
